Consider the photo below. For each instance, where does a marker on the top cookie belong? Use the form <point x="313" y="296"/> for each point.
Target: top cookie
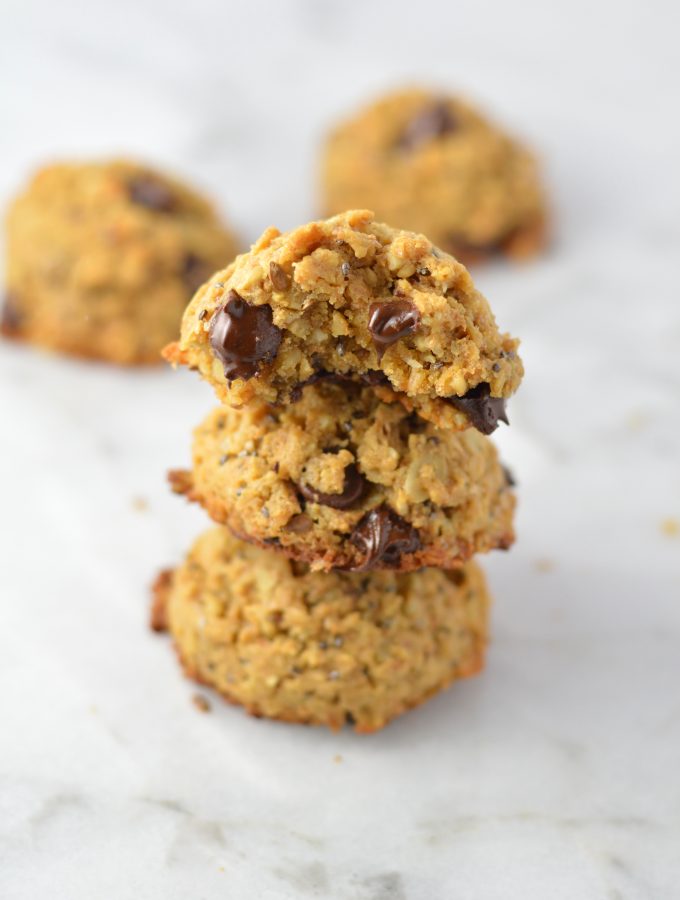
<point x="354" y="298"/>
<point x="434" y="164"/>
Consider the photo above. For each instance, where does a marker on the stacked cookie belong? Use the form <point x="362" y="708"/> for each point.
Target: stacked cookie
<point x="360" y="373"/>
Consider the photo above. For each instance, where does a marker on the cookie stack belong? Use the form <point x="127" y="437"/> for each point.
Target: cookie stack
<point x="360" y="373"/>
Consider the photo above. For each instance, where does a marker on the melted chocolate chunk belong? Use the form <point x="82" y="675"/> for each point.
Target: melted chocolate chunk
<point x="390" y="321"/>
<point x="150" y="192"/>
<point x="10" y="317"/>
<point x="243" y="337"/>
<point x="383" y="537"/>
<point x="351" y="382"/>
<point x="279" y="277"/>
<point x="373" y="377"/>
<point x="414" y="424"/>
<point x="353" y="490"/>
<point x="483" y="410"/>
<point x="194" y="272"/>
<point x="433" y="121"/>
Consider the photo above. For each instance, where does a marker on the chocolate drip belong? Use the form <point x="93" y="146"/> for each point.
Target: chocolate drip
<point x="383" y="537"/>
<point x="352" y="382"/>
<point x="483" y="410"/>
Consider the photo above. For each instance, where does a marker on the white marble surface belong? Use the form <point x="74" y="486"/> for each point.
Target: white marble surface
<point x="554" y="775"/>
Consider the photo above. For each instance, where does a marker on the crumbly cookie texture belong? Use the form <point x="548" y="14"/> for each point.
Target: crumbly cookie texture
<point x="353" y="297"/>
<point x="102" y="259"/>
<point x="432" y="163"/>
<point x="327" y="649"/>
<point x="341" y="479"/>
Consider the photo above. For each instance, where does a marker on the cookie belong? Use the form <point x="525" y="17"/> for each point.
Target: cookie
<point x="432" y="163"/>
<point x="351" y="297"/>
<point x="342" y="479"/>
<point x="102" y="259"/>
<point x="316" y="648"/>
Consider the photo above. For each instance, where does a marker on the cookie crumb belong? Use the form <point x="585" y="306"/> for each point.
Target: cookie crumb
<point x="140" y="504"/>
<point x="158" y="620"/>
<point x="201" y="703"/>
<point x="544" y="565"/>
<point x="670" y="527"/>
<point x="338" y="758"/>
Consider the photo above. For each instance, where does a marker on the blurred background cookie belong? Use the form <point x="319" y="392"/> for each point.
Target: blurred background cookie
<point x="102" y="258"/>
<point x="320" y="648"/>
<point x="432" y="163"/>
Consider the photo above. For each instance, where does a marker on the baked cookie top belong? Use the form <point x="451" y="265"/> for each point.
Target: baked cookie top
<point x="350" y="296"/>
<point x="431" y="162"/>
<point x="342" y="479"/>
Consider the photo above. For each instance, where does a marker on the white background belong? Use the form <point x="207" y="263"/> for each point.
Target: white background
<point x="554" y="775"/>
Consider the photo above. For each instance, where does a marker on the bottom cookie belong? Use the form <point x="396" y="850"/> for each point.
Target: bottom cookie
<point x="320" y="648"/>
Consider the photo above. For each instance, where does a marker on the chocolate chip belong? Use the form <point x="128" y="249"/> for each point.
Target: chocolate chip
<point x="383" y="537"/>
<point x="351" y="382"/>
<point x="510" y="479"/>
<point x="414" y="423"/>
<point x="457" y="576"/>
<point x="243" y="336"/>
<point x="345" y="269"/>
<point x="145" y="190"/>
<point x="194" y="272"/>
<point x="279" y="277"/>
<point x="373" y="377"/>
<point x="10" y="317"/>
<point x="353" y="490"/>
<point x="390" y="321"/>
<point x="483" y="410"/>
<point x="299" y="524"/>
<point x="433" y="121"/>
